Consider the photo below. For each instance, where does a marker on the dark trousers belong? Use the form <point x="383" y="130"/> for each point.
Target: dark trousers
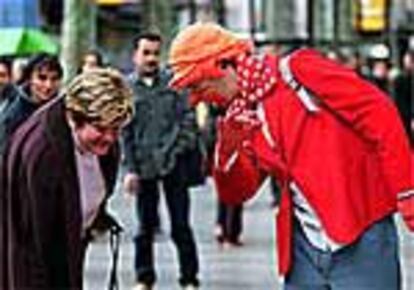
<point x="230" y="219"/>
<point x="178" y="205"/>
<point x="275" y="192"/>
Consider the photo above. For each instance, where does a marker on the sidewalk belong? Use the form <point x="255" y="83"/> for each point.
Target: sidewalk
<point x="251" y="267"/>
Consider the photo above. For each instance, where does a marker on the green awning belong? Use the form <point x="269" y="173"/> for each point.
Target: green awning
<point x="25" y="41"/>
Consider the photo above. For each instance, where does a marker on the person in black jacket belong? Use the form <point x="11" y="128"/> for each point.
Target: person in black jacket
<point x="156" y="147"/>
<point x="404" y="94"/>
<point x="40" y="83"/>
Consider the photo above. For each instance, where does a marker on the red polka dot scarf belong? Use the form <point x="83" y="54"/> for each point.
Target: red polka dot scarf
<point x="241" y="119"/>
<point x="255" y="81"/>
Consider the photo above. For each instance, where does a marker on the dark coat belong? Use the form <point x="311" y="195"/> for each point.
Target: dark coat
<point x="162" y="133"/>
<point x="41" y="227"/>
<point x="404" y="93"/>
<point x="21" y="106"/>
<point x="7" y="95"/>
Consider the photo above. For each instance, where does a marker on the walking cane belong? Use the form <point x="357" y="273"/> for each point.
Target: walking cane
<point x="114" y="243"/>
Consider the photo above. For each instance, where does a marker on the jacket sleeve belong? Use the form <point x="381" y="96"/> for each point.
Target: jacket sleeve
<point x="365" y="108"/>
<point x="35" y="200"/>
<point x="128" y="148"/>
<point x="240" y="182"/>
<point x="241" y="175"/>
<point x="188" y="131"/>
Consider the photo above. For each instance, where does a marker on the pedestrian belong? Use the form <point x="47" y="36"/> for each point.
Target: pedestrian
<point x="157" y="143"/>
<point x="404" y="93"/>
<point x="90" y="60"/>
<point x="5" y="71"/>
<point x="39" y="84"/>
<point x="229" y="225"/>
<point x="275" y="193"/>
<point x="380" y="67"/>
<point x="58" y="172"/>
<point x="229" y="218"/>
<point x="7" y="88"/>
<point x="333" y="141"/>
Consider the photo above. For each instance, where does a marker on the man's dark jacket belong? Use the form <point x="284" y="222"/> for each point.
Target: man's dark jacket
<point x="42" y="246"/>
<point x="162" y="133"/>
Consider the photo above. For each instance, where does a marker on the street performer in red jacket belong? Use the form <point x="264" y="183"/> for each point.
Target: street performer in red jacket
<point x="333" y="141"/>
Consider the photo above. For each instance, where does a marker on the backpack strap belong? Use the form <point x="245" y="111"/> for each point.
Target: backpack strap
<point x="306" y="97"/>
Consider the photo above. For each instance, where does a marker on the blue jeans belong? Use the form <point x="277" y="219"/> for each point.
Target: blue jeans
<point x="370" y="263"/>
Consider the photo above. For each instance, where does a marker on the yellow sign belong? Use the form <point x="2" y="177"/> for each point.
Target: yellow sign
<point x="112" y="2"/>
<point x="371" y="15"/>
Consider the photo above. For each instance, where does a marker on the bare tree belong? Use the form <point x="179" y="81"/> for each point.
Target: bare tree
<point x="78" y="33"/>
<point x="158" y="14"/>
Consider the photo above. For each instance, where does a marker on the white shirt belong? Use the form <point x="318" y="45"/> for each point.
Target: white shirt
<point x="310" y="222"/>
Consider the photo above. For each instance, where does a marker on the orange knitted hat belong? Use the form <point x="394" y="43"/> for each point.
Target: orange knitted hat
<point x="196" y="50"/>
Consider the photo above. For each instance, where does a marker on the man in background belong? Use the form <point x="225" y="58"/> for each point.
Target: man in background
<point x="156" y="145"/>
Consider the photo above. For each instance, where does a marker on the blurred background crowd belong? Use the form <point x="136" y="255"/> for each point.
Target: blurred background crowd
<point x="375" y="37"/>
<point x="351" y="30"/>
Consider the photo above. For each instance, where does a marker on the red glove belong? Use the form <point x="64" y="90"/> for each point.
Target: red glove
<point x="406" y="208"/>
<point x="233" y="131"/>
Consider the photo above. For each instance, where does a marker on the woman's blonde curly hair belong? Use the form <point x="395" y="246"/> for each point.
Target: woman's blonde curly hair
<point x="100" y="96"/>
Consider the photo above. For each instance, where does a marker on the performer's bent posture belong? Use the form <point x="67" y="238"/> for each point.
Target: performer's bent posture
<point x="333" y="141"/>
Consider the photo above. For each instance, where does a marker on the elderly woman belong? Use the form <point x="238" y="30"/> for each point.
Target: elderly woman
<point x="59" y="170"/>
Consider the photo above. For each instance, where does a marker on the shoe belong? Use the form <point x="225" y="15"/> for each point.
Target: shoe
<point x="235" y="242"/>
<point x="190" y="287"/>
<point x="142" y="286"/>
<point x="228" y="244"/>
<point x="218" y="234"/>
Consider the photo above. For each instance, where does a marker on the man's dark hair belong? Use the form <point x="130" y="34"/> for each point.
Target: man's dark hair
<point x="38" y="61"/>
<point x="7" y="62"/>
<point x="97" y="55"/>
<point x="149" y="35"/>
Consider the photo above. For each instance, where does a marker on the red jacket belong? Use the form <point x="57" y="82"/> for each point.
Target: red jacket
<point x="350" y="159"/>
